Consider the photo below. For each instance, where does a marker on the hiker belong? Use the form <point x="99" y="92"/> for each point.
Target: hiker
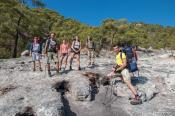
<point x="63" y="53"/>
<point x="121" y="67"/>
<point x="91" y="51"/>
<point x="51" y="52"/>
<point x="26" y="52"/>
<point x="35" y="52"/>
<point x="75" y="52"/>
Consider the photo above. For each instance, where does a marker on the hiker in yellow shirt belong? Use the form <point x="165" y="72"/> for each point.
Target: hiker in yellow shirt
<point x="121" y="67"/>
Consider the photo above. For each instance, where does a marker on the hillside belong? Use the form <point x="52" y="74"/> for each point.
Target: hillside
<point x="27" y="93"/>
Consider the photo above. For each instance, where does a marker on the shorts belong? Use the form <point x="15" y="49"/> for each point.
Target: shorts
<point x="36" y="56"/>
<point x="52" y="57"/>
<point x="63" y="55"/>
<point x="75" y="52"/>
<point x="126" y="75"/>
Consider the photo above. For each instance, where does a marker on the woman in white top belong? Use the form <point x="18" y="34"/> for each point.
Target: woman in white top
<point x="75" y="52"/>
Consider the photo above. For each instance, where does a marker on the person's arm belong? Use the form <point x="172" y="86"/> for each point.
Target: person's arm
<point x="79" y="48"/>
<point x="122" y="66"/>
<point x="72" y="46"/>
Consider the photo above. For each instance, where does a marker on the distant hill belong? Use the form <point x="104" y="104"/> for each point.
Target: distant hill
<point x="19" y="24"/>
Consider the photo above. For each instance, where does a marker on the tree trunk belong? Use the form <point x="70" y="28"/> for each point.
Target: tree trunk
<point x="16" y="39"/>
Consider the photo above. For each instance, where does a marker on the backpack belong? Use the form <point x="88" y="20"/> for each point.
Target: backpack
<point x="36" y="48"/>
<point x="131" y="62"/>
<point x="52" y="45"/>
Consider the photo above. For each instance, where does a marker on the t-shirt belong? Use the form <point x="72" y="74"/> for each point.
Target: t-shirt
<point x="64" y="48"/>
<point x="36" y="47"/>
<point x="119" y="61"/>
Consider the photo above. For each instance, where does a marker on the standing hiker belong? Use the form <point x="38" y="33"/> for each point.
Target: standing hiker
<point x="35" y="52"/>
<point x="75" y="52"/>
<point x="91" y="51"/>
<point x="63" y="53"/>
<point x="121" y="67"/>
<point x="51" y="51"/>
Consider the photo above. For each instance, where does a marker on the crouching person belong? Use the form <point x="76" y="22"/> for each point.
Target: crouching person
<point x="121" y="67"/>
<point x="35" y="53"/>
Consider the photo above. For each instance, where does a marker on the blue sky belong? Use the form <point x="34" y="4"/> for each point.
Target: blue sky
<point x="93" y="12"/>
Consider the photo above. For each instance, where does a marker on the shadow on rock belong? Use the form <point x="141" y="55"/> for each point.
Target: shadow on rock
<point x="63" y="87"/>
<point x="139" y="80"/>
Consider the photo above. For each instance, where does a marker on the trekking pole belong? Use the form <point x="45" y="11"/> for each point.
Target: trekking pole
<point x="105" y="95"/>
<point x="138" y="73"/>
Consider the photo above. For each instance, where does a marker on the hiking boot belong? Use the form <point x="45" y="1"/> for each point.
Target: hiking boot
<point x="40" y="69"/>
<point x="70" y="68"/>
<point x="138" y="96"/>
<point x="136" y="102"/>
<point x="49" y="73"/>
<point x="79" y="68"/>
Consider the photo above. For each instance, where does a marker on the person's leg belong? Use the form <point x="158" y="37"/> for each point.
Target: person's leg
<point x="33" y="59"/>
<point x="71" y="59"/>
<point x="127" y="79"/>
<point x="48" y="63"/>
<point x="78" y="61"/>
<point x="56" y="60"/>
<point x="89" y="57"/>
<point x="39" y="62"/>
<point x="66" y="57"/>
<point x="34" y="69"/>
<point x="61" y="60"/>
<point x="93" y="57"/>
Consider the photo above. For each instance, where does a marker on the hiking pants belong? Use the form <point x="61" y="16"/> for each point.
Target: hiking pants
<point x="52" y="57"/>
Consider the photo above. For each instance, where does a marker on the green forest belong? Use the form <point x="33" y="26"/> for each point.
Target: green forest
<point x="20" y="23"/>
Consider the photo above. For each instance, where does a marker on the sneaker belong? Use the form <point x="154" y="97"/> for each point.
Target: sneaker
<point x="136" y="102"/>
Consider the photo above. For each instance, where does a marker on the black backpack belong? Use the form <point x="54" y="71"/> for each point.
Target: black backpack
<point x="51" y="48"/>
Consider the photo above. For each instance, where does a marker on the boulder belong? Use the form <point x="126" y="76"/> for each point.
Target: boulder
<point x="79" y="87"/>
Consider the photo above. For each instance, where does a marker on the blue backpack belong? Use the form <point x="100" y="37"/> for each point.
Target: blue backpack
<point x="131" y="62"/>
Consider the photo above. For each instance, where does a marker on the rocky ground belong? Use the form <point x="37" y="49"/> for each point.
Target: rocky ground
<point x="27" y="93"/>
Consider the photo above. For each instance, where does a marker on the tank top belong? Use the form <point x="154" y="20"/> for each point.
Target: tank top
<point x="64" y="48"/>
<point x="76" y="45"/>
